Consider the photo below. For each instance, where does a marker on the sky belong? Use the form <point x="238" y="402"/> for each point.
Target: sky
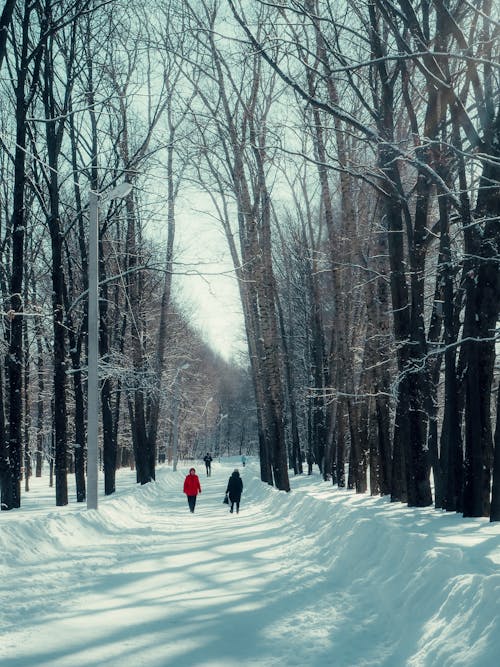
<point x="206" y="280"/>
<point x="318" y="577"/>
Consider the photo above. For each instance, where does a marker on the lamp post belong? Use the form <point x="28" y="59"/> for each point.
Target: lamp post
<point x="118" y="192"/>
<point x="219" y="432"/>
<point x="177" y="398"/>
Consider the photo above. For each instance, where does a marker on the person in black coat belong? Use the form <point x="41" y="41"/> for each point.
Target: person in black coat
<point x="234" y="490"/>
<point x="208" y="463"/>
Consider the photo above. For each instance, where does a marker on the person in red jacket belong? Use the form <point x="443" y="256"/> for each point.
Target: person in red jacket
<point x="192" y="488"/>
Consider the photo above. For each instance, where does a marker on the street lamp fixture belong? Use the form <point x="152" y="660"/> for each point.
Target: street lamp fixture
<point x="118" y="192"/>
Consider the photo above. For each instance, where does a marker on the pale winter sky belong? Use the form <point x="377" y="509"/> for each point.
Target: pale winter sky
<point x="318" y="577"/>
<point x="208" y="282"/>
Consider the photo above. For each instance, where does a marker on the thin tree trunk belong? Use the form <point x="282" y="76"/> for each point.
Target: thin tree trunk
<point x="11" y="489"/>
<point x="495" y="496"/>
<point x="26" y="389"/>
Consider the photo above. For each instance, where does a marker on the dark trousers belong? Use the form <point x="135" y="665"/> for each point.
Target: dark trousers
<point x="209" y="469"/>
<point x="191" y="502"/>
<point x="233" y="503"/>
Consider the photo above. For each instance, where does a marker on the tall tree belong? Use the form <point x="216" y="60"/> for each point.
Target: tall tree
<point x="5" y="18"/>
<point x="29" y="39"/>
<point x="240" y="122"/>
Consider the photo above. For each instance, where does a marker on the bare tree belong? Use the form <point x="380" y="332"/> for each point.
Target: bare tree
<point x="239" y="116"/>
<point x="30" y="40"/>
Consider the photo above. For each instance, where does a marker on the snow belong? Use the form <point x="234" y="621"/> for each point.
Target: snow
<point x="317" y="577"/>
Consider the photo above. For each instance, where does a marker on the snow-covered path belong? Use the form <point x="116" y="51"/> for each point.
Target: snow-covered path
<point x="154" y="584"/>
<point x="313" y="578"/>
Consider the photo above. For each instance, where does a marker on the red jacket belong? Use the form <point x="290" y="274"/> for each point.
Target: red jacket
<point x="192" y="485"/>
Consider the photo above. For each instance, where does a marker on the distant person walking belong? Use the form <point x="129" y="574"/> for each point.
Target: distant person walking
<point x="243" y="460"/>
<point x="234" y="490"/>
<point x="192" y="488"/>
<point x="208" y="463"/>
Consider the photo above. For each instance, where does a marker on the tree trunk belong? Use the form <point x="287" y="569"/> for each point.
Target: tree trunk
<point x="481" y="315"/>
<point x="7" y="12"/>
<point x="54" y="130"/>
<point x="40" y="408"/>
<point x="76" y="335"/>
<point x="11" y="489"/>
<point x="26" y="391"/>
<point x="295" y="453"/>
<point x="4" y="463"/>
<point x="495" y="496"/>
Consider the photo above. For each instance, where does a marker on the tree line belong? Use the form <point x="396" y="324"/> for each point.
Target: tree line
<point x="350" y="154"/>
<point x="72" y="75"/>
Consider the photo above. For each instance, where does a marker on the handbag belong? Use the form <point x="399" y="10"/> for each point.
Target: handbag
<point x="226" y="500"/>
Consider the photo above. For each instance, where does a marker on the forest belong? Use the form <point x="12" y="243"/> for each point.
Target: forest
<point x="350" y="155"/>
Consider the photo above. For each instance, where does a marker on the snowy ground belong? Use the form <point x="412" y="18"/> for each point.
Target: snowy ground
<point x="317" y="577"/>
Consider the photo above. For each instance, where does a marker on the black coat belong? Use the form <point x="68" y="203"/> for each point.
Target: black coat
<point x="235" y="487"/>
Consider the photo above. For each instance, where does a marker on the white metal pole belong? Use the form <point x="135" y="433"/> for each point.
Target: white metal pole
<point x="93" y="352"/>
